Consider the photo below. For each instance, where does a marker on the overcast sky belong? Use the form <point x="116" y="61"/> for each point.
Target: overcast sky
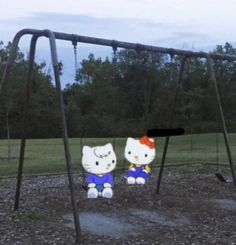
<point x="186" y="24"/>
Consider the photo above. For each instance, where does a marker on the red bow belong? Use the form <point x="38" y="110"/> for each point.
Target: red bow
<point x="146" y="141"/>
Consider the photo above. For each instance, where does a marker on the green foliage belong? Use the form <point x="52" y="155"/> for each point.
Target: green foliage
<point x="43" y="112"/>
<point x="135" y="93"/>
<point x="120" y="97"/>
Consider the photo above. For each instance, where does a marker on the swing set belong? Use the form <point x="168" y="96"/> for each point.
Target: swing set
<point x="52" y="37"/>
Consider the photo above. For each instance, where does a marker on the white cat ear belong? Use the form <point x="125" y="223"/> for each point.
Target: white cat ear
<point x="109" y="147"/>
<point x="130" y="141"/>
<point x="86" y="149"/>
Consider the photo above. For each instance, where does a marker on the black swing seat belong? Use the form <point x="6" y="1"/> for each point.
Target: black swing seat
<point x="221" y="178"/>
<point x="164" y="132"/>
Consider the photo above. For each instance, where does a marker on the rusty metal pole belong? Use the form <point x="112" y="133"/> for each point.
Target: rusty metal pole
<point x="178" y="86"/>
<point x="25" y="119"/>
<point x="225" y="133"/>
<point x="53" y="48"/>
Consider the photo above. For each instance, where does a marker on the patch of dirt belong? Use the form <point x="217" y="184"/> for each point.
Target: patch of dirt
<point x="188" y="210"/>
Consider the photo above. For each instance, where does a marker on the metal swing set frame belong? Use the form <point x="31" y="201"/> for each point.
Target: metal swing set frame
<point x="52" y="37"/>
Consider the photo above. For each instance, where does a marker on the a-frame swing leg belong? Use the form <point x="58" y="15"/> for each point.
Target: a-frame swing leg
<point x="225" y="133"/>
<point x="174" y="105"/>
<point x="5" y="76"/>
<point x="56" y="69"/>
<point x="11" y="58"/>
<point x="25" y="119"/>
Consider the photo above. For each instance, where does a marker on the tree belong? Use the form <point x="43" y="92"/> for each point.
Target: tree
<point x="43" y="115"/>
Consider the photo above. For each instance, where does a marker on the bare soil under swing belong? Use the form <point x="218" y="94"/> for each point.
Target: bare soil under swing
<point x="193" y="207"/>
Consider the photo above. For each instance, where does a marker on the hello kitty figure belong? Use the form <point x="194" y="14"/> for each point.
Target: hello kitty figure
<point x="99" y="162"/>
<point x="140" y="153"/>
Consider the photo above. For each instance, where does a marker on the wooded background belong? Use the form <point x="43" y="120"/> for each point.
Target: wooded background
<point x="119" y="96"/>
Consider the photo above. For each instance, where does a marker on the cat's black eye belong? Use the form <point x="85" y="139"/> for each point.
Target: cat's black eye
<point x="113" y="161"/>
<point x="146" y="155"/>
<point x="129" y="152"/>
<point x="97" y="163"/>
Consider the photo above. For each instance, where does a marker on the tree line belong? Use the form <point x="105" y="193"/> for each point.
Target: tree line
<point x="121" y="95"/>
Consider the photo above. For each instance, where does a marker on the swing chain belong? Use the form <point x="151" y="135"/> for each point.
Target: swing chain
<point x="172" y="55"/>
<point x="172" y="65"/>
<point x="114" y="47"/>
<point x="139" y="48"/>
<point x="74" y="43"/>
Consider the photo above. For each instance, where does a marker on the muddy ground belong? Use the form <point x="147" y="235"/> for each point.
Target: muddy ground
<point x="193" y="207"/>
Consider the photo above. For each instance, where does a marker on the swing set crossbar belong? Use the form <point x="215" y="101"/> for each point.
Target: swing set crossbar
<point x="121" y="44"/>
<point x="53" y="36"/>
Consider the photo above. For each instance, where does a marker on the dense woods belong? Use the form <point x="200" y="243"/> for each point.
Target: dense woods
<point x="119" y="96"/>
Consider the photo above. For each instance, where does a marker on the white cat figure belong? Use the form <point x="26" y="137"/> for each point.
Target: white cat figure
<point x="99" y="162"/>
<point x="140" y="153"/>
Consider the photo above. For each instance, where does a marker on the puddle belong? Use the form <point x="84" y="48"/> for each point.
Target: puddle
<point x="225" y="203"/>
<point x="101" y="224"/>
<point x="131" y="223"/>
<point x="158" y="217"/>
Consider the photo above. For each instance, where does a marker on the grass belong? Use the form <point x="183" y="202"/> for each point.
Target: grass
<point x="47" y="155"/>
